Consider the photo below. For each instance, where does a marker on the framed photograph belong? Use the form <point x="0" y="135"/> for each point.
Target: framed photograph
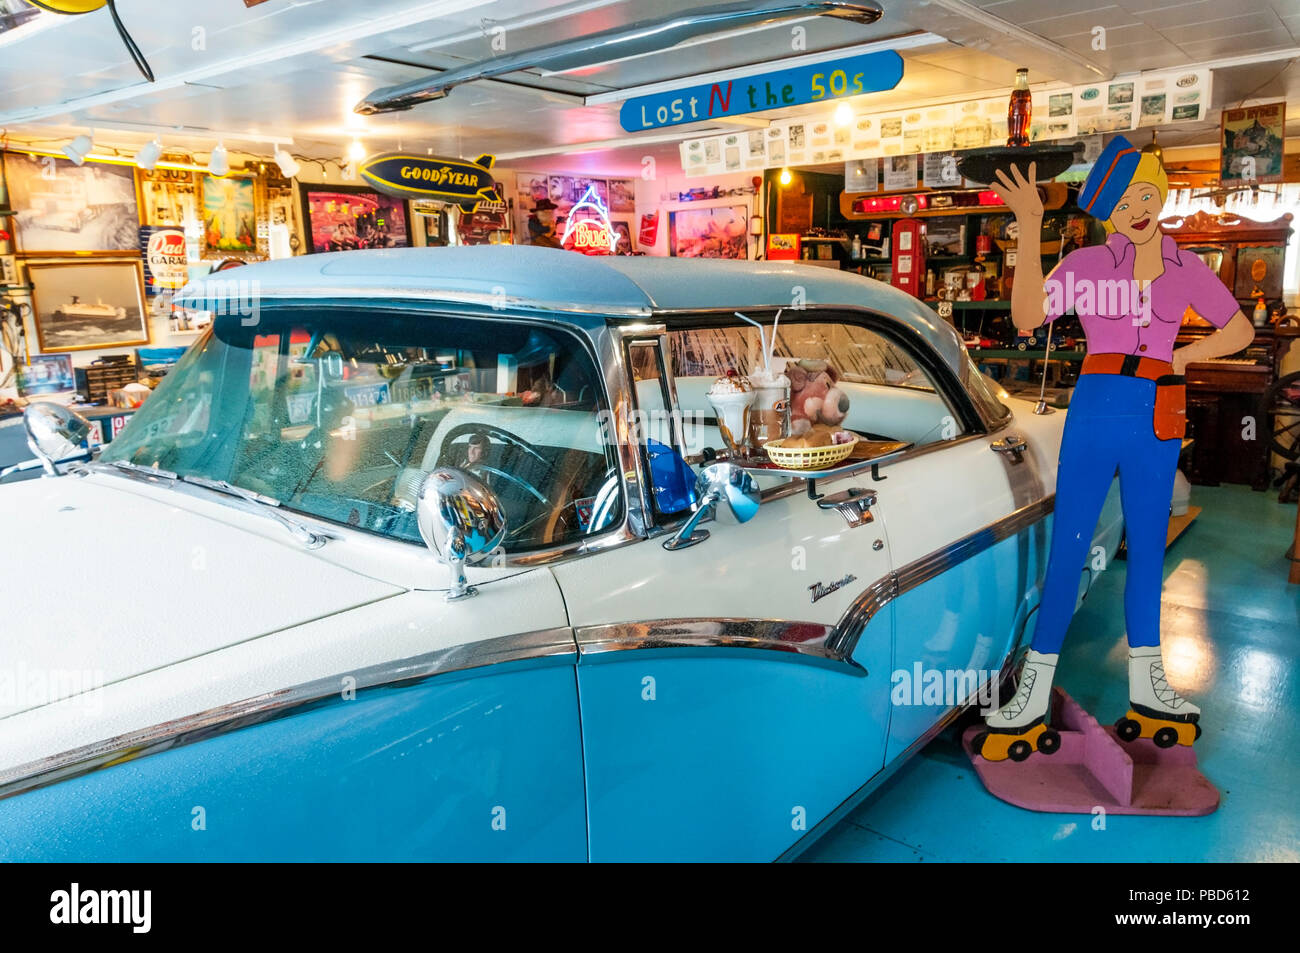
<point x="229" y="215"/>
<point x="1259" y="271"/>
<point x="60" y="207"/>
<point x="46" y="374"/>
<point x="82" y="305"/>
<point x="435" y="227"/>
<point x="624" y="232"/>
<point x="1250" y="144"/>
<point x="709" y="232"/>
<point x="345" y="217"/>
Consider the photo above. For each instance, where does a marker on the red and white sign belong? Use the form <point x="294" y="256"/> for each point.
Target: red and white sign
<point x="591" y="238"/>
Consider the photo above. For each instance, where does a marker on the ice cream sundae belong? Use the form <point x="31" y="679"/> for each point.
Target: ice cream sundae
<point x="732" y="397"/>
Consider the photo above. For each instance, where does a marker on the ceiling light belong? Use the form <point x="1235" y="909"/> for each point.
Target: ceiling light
<point x="785" y="177"/>
<point x="356" y="151"/>
<point x="287" y="163"/>
<point x="843" y="114"/>
<point x="218" y="163"/>
<point x="78" y="148"/>
<point x="147" y="157"/>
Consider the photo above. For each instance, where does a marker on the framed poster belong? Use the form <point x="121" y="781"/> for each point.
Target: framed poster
<point x="83" y="305"/>
<point x="623" y="230"/>
<point x="435" y="227"/>
<point x="60" y="207"/>
<point x="1259" y="271"/>
<point x="1250" y="144"/>
<point x="794" y="211"/>
<point x="709" y="232"/>
<point x="46" y="374"/>
<point x="345" y="217"/>
<point x="229" y="215"/>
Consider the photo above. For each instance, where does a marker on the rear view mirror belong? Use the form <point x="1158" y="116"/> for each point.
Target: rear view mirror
<point x="723" y="483"/>
<point x="55" y="434"/>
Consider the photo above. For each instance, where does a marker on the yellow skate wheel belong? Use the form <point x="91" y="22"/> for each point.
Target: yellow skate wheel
<point x="999" y="746"/>
<point x="1164" y="732"/>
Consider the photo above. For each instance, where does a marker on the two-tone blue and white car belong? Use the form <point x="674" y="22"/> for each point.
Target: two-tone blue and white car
<point x="420" y="554"/>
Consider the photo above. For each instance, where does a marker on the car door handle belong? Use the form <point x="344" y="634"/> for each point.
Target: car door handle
<point x="1013" y="446"/>
<point x="854" y="504"/>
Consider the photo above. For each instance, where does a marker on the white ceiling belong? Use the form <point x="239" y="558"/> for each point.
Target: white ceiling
<point x="297" y="67"/>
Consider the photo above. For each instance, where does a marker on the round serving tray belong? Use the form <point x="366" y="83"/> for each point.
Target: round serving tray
<point x="981" y="165"/>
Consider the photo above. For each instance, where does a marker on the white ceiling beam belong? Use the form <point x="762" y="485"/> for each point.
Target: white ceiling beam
<point x="909" y="41"/>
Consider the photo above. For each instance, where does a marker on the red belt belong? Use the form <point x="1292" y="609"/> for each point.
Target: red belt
<point x="1130" y="365"/>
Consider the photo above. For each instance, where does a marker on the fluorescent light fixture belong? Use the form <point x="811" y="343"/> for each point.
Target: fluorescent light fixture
<point x="356" y="151"/>
<point x="287" y="163"/>
<point x="148" y="155"/>
<point x="218" y="162"/>
<point x="78" y="149"/>
<point x="898" y="44"/>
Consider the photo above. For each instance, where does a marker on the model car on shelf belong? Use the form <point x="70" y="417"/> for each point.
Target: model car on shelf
<point x="390" y="609"/>
<point x="1036" y="340"/>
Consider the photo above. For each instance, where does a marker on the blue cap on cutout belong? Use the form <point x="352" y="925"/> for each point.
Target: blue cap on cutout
<point x="1110" y="177"/>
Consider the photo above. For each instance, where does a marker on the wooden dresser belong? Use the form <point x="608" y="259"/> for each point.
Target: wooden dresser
<point x="1224" y="396"/>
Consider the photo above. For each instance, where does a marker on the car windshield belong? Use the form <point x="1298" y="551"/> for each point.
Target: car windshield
<point x="341" y="413"/>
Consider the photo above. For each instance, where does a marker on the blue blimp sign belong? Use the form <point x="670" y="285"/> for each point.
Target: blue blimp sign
<point x="799" y="86"/>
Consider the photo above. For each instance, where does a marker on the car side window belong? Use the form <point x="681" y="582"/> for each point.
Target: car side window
<point x="842" y="374"/>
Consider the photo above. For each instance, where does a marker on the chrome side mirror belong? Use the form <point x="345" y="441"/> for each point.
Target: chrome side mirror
<point x="461" y="520"/>
<point x="54" y="434"/>
<point x="719" y="482"/>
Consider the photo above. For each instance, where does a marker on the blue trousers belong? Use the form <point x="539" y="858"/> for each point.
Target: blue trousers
<point x="1107" y="428"/>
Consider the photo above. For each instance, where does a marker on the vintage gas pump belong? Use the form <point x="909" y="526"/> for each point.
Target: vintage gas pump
<point x="908" y="252"/>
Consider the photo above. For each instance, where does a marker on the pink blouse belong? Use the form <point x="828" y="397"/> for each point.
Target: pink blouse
<point x="1119" y="316"/>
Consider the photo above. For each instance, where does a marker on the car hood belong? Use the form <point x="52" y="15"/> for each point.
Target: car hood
<point x="101" y="584"/>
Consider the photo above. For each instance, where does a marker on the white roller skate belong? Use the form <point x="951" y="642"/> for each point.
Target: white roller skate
<point x="1019" y="727"/>
<point x="1156" y="711"/>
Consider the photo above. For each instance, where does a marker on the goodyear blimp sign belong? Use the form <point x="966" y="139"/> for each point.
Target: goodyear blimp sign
<point x="799" y="86"/>
<point x="455" y="181"/>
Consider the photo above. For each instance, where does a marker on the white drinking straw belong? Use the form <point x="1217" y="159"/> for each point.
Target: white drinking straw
<point x="775" y="325"/>
<point x="762" y="339"/>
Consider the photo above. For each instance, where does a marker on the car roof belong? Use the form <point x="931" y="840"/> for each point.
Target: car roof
<point x="583" y="290"/>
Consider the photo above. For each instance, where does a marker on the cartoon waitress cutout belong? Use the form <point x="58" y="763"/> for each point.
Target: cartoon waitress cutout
<point x="1128" y="412"/>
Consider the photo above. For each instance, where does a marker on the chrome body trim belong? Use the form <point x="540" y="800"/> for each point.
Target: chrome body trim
<point x="632" y="39"/>
<point x="801" y="641"/>
<point x="844" y="637"/>
<point x="542" y="647"/>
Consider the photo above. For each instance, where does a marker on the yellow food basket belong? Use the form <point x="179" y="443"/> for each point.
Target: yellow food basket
<point x="807" y="458"/>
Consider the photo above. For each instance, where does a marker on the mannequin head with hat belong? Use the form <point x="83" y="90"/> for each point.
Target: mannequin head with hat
<point x="1126" y="189"/>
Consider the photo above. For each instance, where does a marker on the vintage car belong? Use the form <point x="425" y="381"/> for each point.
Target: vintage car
<point x="429" y="553"/>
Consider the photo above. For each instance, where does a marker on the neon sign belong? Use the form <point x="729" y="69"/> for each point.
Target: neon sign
<point x="593" y="234"/>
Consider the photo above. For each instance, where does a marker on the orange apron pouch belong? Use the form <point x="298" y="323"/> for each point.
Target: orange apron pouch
<point x="1170" y="419"/>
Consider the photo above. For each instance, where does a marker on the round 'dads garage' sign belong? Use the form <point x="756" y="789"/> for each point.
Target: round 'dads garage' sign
<point x="454" y="181"/>
<point x="166" y="264"/>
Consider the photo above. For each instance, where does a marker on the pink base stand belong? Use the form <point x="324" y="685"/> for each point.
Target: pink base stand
<point x="1094" y="769"/>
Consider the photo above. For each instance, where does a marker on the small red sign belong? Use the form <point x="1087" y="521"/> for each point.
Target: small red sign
<point x="591" y="238"/>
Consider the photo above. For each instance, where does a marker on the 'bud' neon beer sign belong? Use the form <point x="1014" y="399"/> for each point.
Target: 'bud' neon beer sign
<point x="819" y="82"/>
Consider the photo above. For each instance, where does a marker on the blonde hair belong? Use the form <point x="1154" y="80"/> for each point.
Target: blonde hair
<point x="1150" y="170"/>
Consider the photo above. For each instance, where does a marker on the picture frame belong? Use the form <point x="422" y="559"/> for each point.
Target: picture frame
<point x="62" y="208"/>
<point x="67" y="319"/>
<point x="1251" y="145"/>
<point x="229" y="208"/>
<point x="46" y="374"/>
<point x="344" y="217"/>
<point x="717" y="232"/>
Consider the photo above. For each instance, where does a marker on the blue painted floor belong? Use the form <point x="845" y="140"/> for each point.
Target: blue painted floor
<point x="1231" y="631"/>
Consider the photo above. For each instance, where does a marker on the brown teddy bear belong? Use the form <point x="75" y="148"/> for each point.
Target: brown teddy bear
<point x="814" y="396"/>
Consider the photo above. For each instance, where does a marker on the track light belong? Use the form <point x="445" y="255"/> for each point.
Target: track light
<point x="147" y="157"/>
<point x="218" y="163"/>
<point x="785" y="177"/>
<point x="356" y="151"/>
<point x="287" y="163"/>
<point x="78" y="149"/>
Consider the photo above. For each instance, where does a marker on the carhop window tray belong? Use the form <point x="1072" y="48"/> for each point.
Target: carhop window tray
<point x="1093" y="768"/>
<point x="982" y="165"/>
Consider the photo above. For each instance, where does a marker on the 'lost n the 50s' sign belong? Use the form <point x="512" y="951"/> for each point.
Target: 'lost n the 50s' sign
<point x="833" y="79"/>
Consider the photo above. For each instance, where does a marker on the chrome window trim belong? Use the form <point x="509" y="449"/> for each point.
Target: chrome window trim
<point x="541" y="647"/>
<point x="843" y="639"/>
<point x="597" y="642"/>
<point x="605" y="354"/>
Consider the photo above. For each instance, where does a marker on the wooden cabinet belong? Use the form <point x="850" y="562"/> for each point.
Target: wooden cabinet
<point x="1222" y="396"/>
